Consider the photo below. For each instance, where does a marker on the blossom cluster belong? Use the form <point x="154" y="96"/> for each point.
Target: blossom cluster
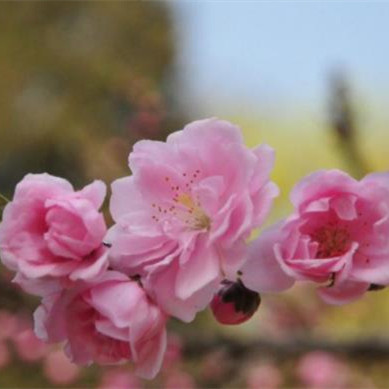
<point x="180" y="242"/>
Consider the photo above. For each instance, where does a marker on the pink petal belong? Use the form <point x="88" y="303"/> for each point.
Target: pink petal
<point x="331" y="183"/>
<point x="117" y="301"/>
<point x="125" y="197"/>
<point x="344" y="206"/>
<point x="265" y="162"/>
<point x="199" y="270"/>
<point x="151" y="356"/>
<point x="91" y="268"/>
<point x="161" y="285"/>
<point x="343" y="293"/>
<point x="262" y="272"/>
<point x="212" y="129"/>
<point x="94" y="192"/>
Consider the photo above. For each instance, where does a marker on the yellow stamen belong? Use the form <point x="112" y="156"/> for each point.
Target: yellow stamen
<point x="199" y="219"/>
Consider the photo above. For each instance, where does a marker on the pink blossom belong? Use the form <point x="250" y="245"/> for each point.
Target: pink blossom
<point x="337" y="236"/>
<point x="320" y="370"/>
<point x="177" y="379"/>
<point x="264" y="376"/>
<point x="107" y="321"/>
<point x="59" y="370"/>
<point x="49" y="230"/>
<point x="119" y="379"/>
<point x="29" y="347"/>
<point x="261" y="272"/>
<point x="183" y="217"/>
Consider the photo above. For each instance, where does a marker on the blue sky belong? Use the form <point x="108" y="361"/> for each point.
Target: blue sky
<point x="279" y="53"/>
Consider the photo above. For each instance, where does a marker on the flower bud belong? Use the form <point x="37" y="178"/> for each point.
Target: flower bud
<point x="234" y="303"/>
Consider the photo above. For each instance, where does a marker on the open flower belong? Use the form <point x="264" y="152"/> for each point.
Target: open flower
<point x="108" y="321"/>
<point x="337" y="236"/>
<point x="183" y="217"/>
<point x="49" y="231"/>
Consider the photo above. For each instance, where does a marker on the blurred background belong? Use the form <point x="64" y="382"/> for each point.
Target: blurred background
<point x="82" y="81"/>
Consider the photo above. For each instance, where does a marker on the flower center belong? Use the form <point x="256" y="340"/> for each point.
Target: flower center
<point x="185" y="206"/>
<point x="198" y="220"/>
<point x="333" y="241"/>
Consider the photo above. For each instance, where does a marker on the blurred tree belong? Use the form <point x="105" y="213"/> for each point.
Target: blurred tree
<point x="74" y="75"/>
<point x="80" y="82"/>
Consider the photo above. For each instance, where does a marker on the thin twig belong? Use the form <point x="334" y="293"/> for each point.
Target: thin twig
<point x="4" y="198"/>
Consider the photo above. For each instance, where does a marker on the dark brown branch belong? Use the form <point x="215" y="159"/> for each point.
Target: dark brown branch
<point x="370" y="348"/>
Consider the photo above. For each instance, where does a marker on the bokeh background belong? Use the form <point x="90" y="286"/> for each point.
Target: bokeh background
<point x="82" y="81"/>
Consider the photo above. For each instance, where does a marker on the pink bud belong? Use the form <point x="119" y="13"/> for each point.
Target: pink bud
<point x="234" y="303"/>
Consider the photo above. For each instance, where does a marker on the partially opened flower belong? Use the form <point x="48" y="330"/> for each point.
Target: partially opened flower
<point x="337" y="236"/>
<point x="234" y="303"/>
<point x="50" y="231"/>
<point x="183" y="217"/>
<point x="108" y="321"/>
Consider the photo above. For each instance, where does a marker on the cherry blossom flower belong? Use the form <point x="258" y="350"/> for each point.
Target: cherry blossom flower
<point x="183" y="217"/>
<point x="337" y="236"/>
<point x="108" y="321"/>
<point x="49" y="231"/>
